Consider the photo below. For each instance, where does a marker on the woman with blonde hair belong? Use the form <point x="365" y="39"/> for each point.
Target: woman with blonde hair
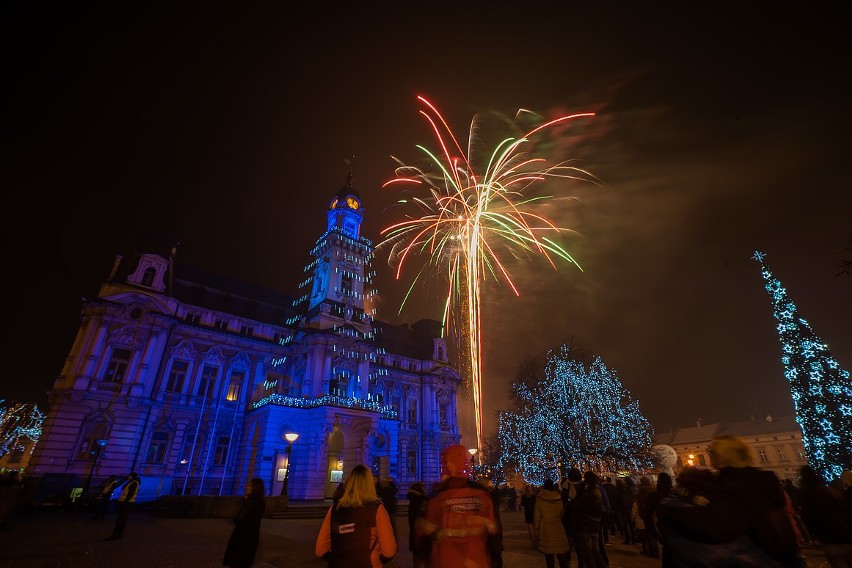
<point x="356" y="531"/>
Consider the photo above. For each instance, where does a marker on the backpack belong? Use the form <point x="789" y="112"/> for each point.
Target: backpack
<point x="352" y="541"/>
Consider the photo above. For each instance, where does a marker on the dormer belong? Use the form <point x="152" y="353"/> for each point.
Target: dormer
<point x="150" y="272"/>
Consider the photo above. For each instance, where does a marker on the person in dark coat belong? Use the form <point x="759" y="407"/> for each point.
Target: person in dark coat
<point x="649" y="512"/>
<point x="242" y="545"/>
<point x="528" y="504"/>
<point x="102" y="500"/>
<point x="649" y="546"/>
<point x="417" y="502"/>
<point x="745" y="504"/>
<point x="610" y="520"/>
<point x="129" y="492"/>
<point x="387" y="491"/>
<point x="10" y="488"/>
<point x="586" y="512"/>
<point x="628" y="491"/>
<point x="827" y="518"/>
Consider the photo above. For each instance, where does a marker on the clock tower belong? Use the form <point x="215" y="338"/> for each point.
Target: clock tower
<point x="340" y="282"/>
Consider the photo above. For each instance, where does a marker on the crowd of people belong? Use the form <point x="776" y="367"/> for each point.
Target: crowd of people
<point x="733" y="515"/>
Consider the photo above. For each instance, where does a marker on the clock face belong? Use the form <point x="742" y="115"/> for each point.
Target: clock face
<point x="352" y="202"/>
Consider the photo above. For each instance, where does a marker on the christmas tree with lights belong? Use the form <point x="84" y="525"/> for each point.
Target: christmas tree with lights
<point x="821" y="390"/>
<point x="19" y="423"/>
<point x="580" y="416"/>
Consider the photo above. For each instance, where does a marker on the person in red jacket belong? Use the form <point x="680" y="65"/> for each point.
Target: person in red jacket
<point x="460" y="516"/>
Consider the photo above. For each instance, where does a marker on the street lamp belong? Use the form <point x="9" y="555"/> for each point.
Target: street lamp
<point x="290" y="437"/>
<point x="472" y="452"/>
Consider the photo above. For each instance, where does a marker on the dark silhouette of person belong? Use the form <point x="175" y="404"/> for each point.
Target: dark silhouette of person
<point x="827" y="518"/>
<point x="387" y="491"/>
<point x="101" y="504"/>
<point x="417" y="503"/>
<point x="10" y="489"/>
<point x="245" y="536"/>
<point x="125" y="502"/>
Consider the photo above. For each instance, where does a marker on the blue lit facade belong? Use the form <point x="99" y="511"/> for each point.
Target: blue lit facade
<point x="193" y="380"/>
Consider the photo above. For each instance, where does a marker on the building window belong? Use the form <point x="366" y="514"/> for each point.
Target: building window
<point x="247" y="331"/>
<point x="411" y="463"/>
<point x="270" y="385"/>
<point x="207" y="382"/>
<point x="158" y="447"/>
<point x="701" y="460"/>
<point x="221" y="455"/>
<point x="782" y="455"/>
<point x="177" y="376"/>
<point x="235" y="385"/>
<point x="800" y="454"/>
<point x="412" y="410"/>
<point x="339" y="384"/>
<point x="193" y="317"/>
<point x="220" y="324"/>
<point x="442" y="414"/>
<point x="396" y="403"/>
<point x="117" y="367"/>
<point x="88" y="449"/>
<point x="346" y="285"/>
<point x="148" y="276"/>
<point x="761" y="455"/>
<point x="190" y="449"/>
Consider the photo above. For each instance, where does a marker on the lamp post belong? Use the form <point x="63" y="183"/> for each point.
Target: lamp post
<point x="290" y="437"/>
<point x="472" y="452"/>
<point x="100" y="444"/>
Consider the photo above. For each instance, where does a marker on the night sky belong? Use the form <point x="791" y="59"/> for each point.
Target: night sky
<point x="718" y="131"/>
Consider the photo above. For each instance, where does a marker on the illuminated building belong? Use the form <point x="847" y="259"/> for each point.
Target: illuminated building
<point x="193" y="381"/>
<point x="775" y="442"/>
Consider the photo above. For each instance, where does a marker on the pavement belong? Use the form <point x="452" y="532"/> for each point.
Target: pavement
<point x="72" y="539"/>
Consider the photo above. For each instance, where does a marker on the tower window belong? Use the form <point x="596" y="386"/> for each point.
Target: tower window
<point x="346" y="285"/>
<point x="148" y="276"/>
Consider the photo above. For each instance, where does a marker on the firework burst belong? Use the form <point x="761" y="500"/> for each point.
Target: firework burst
<point x="468" y="216"/>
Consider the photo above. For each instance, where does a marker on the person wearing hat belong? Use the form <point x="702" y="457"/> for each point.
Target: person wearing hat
<point x="460" y="516"/>
<point x="129" y="491"/>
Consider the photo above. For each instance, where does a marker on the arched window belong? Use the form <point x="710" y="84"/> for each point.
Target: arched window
<point x="158" y="447"/>
<point x="92" y="441"/>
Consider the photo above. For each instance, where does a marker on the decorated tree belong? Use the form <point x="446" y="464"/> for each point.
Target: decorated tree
<point x="821" y="390"/>
<point x="578" y="415"/>
<point x="20" y="423"/>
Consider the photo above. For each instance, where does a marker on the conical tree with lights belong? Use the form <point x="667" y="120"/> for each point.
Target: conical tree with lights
<point x="821" y="390"/>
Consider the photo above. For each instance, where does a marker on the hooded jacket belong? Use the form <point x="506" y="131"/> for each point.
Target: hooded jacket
<point x="547" y="521"/>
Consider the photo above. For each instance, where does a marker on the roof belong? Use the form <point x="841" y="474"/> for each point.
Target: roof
<point x="703" y="433"/>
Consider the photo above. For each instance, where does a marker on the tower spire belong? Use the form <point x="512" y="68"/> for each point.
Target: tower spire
<point x="348" y="162"/>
